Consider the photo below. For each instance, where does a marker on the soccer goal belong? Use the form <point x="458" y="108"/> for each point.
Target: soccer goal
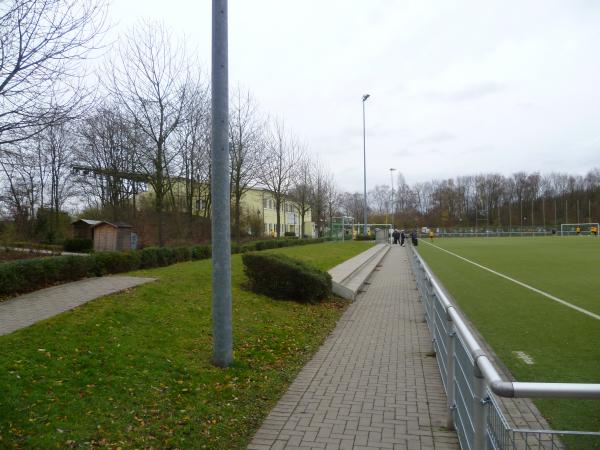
<point x="573" y="229"/>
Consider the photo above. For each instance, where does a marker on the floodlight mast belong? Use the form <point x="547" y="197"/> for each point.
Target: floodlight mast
<point x="364" y="99"/>
<point x="221" y="232"/>
<point x="393" y="210"/>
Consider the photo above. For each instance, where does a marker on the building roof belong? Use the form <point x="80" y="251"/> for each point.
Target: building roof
<point x="89" y="222"/>
<point x="95" y="223"/>
<point x="115" y="225"/>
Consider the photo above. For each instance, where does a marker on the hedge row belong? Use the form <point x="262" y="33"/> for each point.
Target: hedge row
<point x="280" y="276"/>
<point x="36" y="273"/>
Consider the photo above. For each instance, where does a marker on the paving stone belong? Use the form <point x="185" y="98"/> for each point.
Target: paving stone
<point x="370" y="384"/>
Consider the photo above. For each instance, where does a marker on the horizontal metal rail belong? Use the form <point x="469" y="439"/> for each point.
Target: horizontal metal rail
<point x="497" y="385"/>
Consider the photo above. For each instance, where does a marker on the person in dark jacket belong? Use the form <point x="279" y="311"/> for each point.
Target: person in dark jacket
<point x="395" y="235"/>
<point x="413" y="237"/>
<point x="402" y="238"/>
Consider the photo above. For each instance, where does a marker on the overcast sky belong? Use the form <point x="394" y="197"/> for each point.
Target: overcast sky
<point x="457" y="88"/>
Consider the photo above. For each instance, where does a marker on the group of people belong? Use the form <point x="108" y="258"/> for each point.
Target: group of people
<point x="400" y="237"/>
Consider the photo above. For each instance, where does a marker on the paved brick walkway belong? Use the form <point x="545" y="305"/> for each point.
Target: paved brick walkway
<point x="20" y="312"/>
<point x="372" y="384"/>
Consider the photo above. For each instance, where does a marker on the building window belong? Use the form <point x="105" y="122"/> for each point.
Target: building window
<point x="200" y="205"/>
<point x="265" y="203"/>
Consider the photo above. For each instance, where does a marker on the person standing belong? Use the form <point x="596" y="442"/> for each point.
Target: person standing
<point x="402" y="238"/>
<point x="395" y="235"/>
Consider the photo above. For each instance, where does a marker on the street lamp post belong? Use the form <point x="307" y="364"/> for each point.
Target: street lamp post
<point x="364" y="99"/>
<point x="393" y="210"/>
<point x="221" y="231"/>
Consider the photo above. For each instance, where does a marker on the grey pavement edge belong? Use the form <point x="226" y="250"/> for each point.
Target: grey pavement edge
<point x="348" y="277"/>
<point x="373" y="384"/>
<point x="25" y="310"/>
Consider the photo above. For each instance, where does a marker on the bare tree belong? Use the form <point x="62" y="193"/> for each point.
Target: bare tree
<point x="192" y="139"/>
<point x="58" y="152"/>
<point x="107" y="160"/>
<point x="302" y="189"/>
<point x="151" y="78"/>
<point x="21" y="189"/>
<point x="379" y="197"/>
<point x="279" y="166"/>
<point x="322" y="181"/>
<point x="246" y="135"/>
<point x="43" y="45"/>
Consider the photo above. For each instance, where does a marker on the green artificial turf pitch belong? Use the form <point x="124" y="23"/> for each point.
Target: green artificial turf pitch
<point x="564" y="343"/>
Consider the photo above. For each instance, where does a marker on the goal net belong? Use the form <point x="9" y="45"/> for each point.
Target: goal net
<point x="573" y="229"/>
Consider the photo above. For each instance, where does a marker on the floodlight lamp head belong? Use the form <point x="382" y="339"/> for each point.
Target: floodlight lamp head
<point x="365" y="97"/>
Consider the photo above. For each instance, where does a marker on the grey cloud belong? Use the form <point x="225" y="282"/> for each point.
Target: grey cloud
<point x="435" y="138"/>
<point x="469" y="93"/>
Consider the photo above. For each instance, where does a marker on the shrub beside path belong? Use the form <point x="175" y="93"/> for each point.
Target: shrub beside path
<point x="25" y="310"/>
<point x="373" y="384"/>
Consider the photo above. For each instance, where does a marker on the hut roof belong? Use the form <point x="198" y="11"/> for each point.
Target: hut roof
<point x="89" y="222"/>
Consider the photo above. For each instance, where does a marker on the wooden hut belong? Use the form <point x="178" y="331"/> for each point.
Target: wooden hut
<point x="114" y="237"/>
<point x="84" y="228"/>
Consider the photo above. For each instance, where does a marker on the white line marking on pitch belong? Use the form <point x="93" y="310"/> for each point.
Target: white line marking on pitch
<point x="524" y="357"/>
<point x="520" y="283"/>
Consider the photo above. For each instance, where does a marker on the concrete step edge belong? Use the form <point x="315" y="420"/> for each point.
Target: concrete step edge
<point x="361" y="274"/>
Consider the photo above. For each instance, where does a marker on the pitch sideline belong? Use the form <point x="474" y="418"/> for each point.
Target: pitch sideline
<point x="520" y="283"/>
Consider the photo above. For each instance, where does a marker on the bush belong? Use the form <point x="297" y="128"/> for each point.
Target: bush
<point x="280" y="276"/>
<point x="166" y="256"/>
<point x="103" y="263"/>
<point x="77" y="245"/>
<point x="36" y="273"/>
<point x="183" y="254"/>
<point x="248" y="247"/>
<point x="201" y="252"/>
<point x="148" y="257"/>
<point x="362" y="237"/>
<point x="289" y="234"/>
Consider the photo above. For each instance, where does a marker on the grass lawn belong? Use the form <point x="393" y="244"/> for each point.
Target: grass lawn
<point x="133" y="369"/>
<point x="564" y="343"/>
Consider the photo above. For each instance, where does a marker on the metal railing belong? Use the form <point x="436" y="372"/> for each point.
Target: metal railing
<point x="472" y="383"/>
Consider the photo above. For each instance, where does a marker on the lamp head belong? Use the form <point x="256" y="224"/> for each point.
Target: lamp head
<point x="365" y="97"/>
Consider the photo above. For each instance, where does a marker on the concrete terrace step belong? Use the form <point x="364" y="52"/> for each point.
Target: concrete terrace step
<point x="348" y="277"/>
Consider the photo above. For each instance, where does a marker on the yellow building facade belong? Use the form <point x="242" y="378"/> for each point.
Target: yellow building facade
<point x="257" y="199"/>
<point x="257" y="203"/>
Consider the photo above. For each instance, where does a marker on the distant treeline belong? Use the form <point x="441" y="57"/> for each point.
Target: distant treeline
<point x="486" y="200"/>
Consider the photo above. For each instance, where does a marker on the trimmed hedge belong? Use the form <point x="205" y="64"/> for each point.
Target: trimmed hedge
<point x="36" y="273"/>
<point x="78" y="245"/>
<point x="282" y="277"/>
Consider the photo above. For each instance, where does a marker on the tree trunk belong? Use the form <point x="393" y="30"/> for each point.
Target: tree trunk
<point x="237" y="217"/>
<point x="278" y="214"/>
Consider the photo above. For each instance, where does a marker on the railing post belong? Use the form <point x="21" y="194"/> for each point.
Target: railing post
<point x="450" y="376"/>
<point x="479" y="409"/>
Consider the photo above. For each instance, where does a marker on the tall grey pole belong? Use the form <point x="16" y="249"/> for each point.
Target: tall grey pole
<point x="393" y="210"/>
<point x="364" y="99"/>
<point x="221" y="234"/>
